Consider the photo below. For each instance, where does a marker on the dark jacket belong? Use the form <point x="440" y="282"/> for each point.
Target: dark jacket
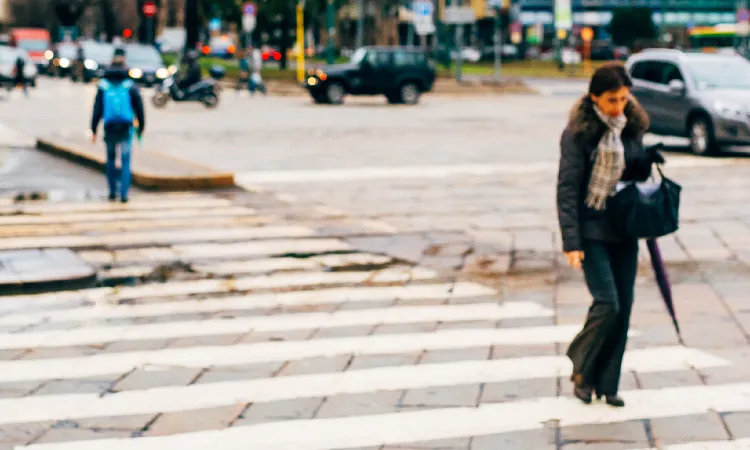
<point x="578" y="145"/>
<point x="118" y="74"/>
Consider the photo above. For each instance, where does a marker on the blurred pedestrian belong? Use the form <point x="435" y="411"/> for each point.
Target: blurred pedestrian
<point x="255" y="65"/>
<point x="118" y="104"/>
<point x="20" y="76"/>
<point x="600" y="147"/>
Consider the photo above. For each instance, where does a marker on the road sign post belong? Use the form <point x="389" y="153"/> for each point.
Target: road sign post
<point x="300" y="41"/>
<point x="459" y="16"/>
<point x="563" y="24"/>
<point x="587" y="35"/>
<point x="421" y="20"/>
<point x="249" y="14"/>
<point x="331" y="25"/>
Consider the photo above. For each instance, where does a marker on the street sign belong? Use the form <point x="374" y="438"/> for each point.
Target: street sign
<point x="421" y="17"/>
<point x="459" y="15"/>
<point x="516" y="32"/>
<point x="248" y="23"/>
<point x="743" y="22"/>
<point x="563" y="14"/>
<point x="248" y="9"/>
<point x="149" y="9"/>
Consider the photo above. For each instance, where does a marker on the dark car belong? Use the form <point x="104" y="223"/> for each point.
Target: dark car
<point x="145" y="64"/>
<point x="401" y="74"/>
<point x="63" y="59"/>
<point x="92" y="59"/>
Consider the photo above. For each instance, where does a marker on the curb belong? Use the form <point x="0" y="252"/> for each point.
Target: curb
<point x="209" y="179"/>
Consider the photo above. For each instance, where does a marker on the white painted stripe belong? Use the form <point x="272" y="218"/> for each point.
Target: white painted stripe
<point x="213" y="395"/>
<point x="199" y="357"/>
<point x="103" y="311"/>
<point x="101" y="217"/>
<point x="279" y="264"/>
<point x="133" y="205"/>
<point x="739" y="444"/>
<point x="161" y="236"/>
<point x="400" y="172"/>
<point x="299" y="321"/>
<point x="242" y="284"/>
<point x="435" y="424"/>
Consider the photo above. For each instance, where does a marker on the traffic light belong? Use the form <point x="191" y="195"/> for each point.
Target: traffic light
<point x="148" y="11"/>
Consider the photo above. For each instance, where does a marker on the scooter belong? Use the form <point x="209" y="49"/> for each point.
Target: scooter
<point x="206" y="92"/>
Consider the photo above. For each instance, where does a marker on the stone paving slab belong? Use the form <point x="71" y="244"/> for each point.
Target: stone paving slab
<point x="29" y="270"/>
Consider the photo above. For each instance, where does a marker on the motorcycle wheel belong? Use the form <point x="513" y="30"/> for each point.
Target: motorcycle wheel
<point x="160" y="99"/>
<point x="211" y="100"/>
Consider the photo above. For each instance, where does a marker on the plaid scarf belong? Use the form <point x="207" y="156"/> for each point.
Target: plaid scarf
<point x="609" y="161"/>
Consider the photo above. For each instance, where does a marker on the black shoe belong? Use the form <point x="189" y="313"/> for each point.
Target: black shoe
<point x="582" y="393"/>
<point x="124" y="200"/>
<point x="112" y="197"/>
<point x="612" y="400"/>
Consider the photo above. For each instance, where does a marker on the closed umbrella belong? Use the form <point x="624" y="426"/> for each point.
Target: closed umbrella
<point x="662" y="280"/>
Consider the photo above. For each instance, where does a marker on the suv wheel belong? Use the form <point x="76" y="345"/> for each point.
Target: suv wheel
<point x="335" y="93"/>
<point x="702" y="139"/>
<point x="409" y="93"/>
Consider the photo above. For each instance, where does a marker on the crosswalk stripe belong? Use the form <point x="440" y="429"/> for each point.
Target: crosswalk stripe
<point x="275" y="264"/>
<point x="133" y="205"/>
<point x="268" y="247"/>
<point x="298" y="321"/>
<point x="163" y="236"/>
<point x="102" y="311"/>
<point x="212" y="395"/>
<point x="739" y="444"/>
<point x="205" y="356"/>
<point x="134" y="225"/>
<point x="208" y="286"/>
<point x="435" y="424"/>
<point x="100" y="217"/>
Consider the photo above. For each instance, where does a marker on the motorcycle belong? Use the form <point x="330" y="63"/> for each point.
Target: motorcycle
<point x="206" y="91"/>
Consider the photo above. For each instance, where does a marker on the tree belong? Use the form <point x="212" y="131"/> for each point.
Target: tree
<point x="632" y="24"/>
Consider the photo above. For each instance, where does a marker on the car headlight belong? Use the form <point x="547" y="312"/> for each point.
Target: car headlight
<point x="90" y="64"/>
<point x="64" y="63"/>
<point x="48" y="55"/>
<point x="729" y="110"/>
<point x="172" y="69"/>
<point x="312" y="81"/>
<point x="162" y="73"/>
<point x="135" y="73"/>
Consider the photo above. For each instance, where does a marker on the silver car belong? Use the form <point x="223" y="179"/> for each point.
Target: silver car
<point x="702" y="96"/>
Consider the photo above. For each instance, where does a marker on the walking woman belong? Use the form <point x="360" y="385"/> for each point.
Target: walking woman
<point x="601" y="146"/>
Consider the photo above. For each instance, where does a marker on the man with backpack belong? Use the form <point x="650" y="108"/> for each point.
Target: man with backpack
<point x="118" y="104"/>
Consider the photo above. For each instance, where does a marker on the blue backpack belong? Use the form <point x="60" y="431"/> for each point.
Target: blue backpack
<point x="118" y="109"/>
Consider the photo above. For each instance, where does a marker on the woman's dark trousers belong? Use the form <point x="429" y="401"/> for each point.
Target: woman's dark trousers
<point x="610" y="270"/>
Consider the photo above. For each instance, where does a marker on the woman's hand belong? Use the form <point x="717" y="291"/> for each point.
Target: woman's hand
<point x="575" y="258"/>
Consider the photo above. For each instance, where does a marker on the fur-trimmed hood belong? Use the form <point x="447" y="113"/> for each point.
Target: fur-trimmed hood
<point x="586" y="125"/>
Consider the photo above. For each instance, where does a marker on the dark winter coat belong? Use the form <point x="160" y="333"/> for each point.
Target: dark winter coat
<point x="578" y="146"/>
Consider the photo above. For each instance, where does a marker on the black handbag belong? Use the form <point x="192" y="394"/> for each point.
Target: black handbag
<point x="639" y="212"/>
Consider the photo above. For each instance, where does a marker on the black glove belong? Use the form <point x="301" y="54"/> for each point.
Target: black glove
<point x="654" y="152"/>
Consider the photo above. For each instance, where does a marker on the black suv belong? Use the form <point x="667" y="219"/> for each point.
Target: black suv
<point x="401" y="74"/>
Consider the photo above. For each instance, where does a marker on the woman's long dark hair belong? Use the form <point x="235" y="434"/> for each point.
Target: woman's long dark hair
<point x="609" y="77"/>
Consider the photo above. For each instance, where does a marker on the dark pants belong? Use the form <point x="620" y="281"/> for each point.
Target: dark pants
<point x="610" y="270"/>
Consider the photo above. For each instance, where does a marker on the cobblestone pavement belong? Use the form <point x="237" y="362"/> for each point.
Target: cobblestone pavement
<point x="367" y="308"/>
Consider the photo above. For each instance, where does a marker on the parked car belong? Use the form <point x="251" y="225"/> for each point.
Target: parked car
<point x="145" y="64"/>
<point x="702" y="96"/>
<point x="220" y="46"/>
<point x="270" y="54"/>
<point x="401" y="74"/>
<point x="8" y="57"/>
<point x="92" y="59"/>
<point x="62" y="59"/>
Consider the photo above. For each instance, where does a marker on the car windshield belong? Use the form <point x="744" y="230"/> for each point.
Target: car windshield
<point x="359" y="55"/>
<point x="142" y="55"/>
<point x="720" y="73"/>
<point x="101" y="53"/>
<point x="33" y="45"/>
<point x="66" y="51"/>
<point x="7" y="55"/>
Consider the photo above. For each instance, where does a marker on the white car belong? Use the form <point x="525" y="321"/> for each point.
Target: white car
<point x="8" y="57"/>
